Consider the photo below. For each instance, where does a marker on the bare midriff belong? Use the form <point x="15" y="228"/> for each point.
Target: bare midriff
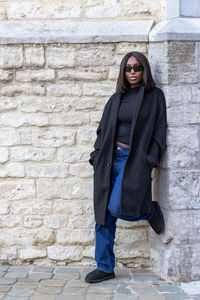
<point x="121" y="144"/>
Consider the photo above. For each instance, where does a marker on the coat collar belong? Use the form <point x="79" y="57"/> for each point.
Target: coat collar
<point x="135" y="111"/>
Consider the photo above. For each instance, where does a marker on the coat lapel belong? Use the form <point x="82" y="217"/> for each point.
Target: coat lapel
<point x="135" y="112"/>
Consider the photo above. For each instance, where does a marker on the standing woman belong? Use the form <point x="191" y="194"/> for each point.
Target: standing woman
<point x="131" y="138"/>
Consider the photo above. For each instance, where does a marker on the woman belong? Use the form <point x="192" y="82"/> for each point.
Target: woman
<point x="131" y="138"/>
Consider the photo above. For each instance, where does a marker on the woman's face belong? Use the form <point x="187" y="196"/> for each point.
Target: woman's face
<point x="133" y="78"/>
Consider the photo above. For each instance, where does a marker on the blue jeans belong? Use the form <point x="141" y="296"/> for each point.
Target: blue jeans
<point x="105" y="234"/>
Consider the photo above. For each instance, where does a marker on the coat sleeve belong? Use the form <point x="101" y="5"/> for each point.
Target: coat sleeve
<point x="158" y="140"/>
<point x="97" y="143"/>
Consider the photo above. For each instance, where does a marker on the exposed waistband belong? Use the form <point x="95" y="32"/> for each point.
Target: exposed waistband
<point x="121" y="147"/>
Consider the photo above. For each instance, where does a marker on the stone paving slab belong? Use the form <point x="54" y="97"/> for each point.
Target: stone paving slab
<point x="63" y="283"/>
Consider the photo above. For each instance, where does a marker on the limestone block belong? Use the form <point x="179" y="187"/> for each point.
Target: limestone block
<point x="40" y="104"/>
<point x="3" y="14"/>
<point x="55" y="221"/>
<point x="99" y="89"/>
<point x="23" y="153"/>
<point x="95" y="117"/>
<point x="51" y="170"/>
<point x="129" y="251"/>
<point x="3" y="155"/>
<point x="184" y="192"/>
<point x="12" y="170"/>
<point x="11" y="221"/>
<point x="31" y="207"/>
<point x="8" y="254"/>
<point x="130" y="236"/>
<point x="53" y="137"/>
<point x="32" y="221"/>
<point x="182" y="62"/>
<point x="34" y="56"/>
<point x="6" y="75"/>
<point x="183" y="147"/>
<point x="195" y="262"/>
<point x="70" y="253"/>
<point x="86" y="135"/>
<point x="64" y="89"/>
<point x="73" y="154"/>
<point x="144" y="7"/>
<point x="76" y="236"/>
<point x="184" y="113"/>
<point x="114" y="72"/>
<point x="17" y="119"/>
<point x="35" y="75"/>
<point x="158" y="57"/>
<point x="195" y="90"/>
<point x="8" y="137"/>
<point x="125" y="47"/>
<point x="16" y="236"/>
<point x="81" y="170"/>
<point x="26" y="10"/>
<point x="20" y="88"/>
<point x="60" y="9"/>
<point x="68" y="208"/>
<point x="17" y="189"/>
<point x="179" y="95"/>
<point x="60" y="57"/>
<point x="5" y="207"/>
<point x="85" y="74"/>
<point x="7" y="104"/>
<point x="102" y="9"/>
<point x="31" y="253"/>
<point x="69" y="118"/>
<point x="89" y="251"/>
<point x="81" y="222"/>
<point x="69" y="188"/>
<point x="25" y="136"/>
<point x="88" y="102"/>
<point x="184" y="219"/>
<point x="44" y="236"/>
<point x="11" y="57"/>
<point x="95" y="55"/>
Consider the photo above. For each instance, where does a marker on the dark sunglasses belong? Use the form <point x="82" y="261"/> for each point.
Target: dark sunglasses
<point x="136" y="68"/>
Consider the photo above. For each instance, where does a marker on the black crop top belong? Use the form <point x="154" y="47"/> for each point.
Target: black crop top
<point x="125" y="114"/>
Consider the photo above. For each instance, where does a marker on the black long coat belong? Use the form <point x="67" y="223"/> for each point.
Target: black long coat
<point x="147" y="144"/>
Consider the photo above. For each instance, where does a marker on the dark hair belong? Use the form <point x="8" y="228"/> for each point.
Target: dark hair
<point x="123" y="85"/>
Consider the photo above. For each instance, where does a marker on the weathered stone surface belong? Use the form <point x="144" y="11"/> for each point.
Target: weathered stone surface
<point x="64" y="253"/>
<point x="34" y="56"/>
<point x="103" y="9"/>
<point x="9" y="136"/>
<point x="17" y="189"/>
<point x="11" y="57"/>
<point x="59" y="9"/>
<point x="24" y="153"/>
<point x="4" y="155"/>
<point x="35" y="75"/>
<point x="59" y="57"/>
<point x="77" y="236"/>
<point x="183" y="149"/>
<point x="44" y="236"/>
<point x="26" y="10"/>
<point x="31" y="253"/>
<point x="24" y="89"/>
<point x="184" y="189"/>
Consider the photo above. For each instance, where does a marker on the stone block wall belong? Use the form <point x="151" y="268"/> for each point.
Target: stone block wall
<point x="51" y="100"/>
<point x="77" y="10"/>
<point x="175" y="66"/>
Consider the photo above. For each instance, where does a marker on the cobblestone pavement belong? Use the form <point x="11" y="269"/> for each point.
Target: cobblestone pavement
<point x="63" y="283"/>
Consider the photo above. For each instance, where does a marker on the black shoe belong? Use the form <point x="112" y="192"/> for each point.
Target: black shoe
<point x="157" y="221"/>
<point x="98" y="275"/>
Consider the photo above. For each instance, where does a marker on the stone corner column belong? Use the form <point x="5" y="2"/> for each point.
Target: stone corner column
<point x="174" y="55"/>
